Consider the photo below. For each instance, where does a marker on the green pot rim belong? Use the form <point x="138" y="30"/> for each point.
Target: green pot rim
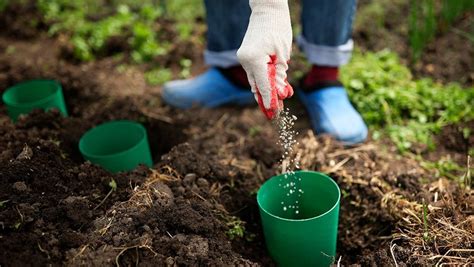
<point x="15" y="87"/>
<point x="307" y="219"/>
<point x="129" y="122"/>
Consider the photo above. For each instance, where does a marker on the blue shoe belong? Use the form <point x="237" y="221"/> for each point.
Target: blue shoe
<point x="331" y="112"/>
<point x="210" y="89"/>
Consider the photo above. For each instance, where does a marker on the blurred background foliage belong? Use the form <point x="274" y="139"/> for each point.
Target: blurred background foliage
<point x="394" y="104"/>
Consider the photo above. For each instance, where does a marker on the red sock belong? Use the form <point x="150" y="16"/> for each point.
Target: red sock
<point x="236" y="75"/>
<point x="319" y="76"/>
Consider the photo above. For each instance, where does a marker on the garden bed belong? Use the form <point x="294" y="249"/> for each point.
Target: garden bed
<point x="197" y="204"/>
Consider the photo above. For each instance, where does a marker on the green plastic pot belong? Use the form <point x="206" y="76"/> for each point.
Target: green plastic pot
<point x="22" y="98"/>
<point x="300" y="228"/>
<point x="116" y="146"/>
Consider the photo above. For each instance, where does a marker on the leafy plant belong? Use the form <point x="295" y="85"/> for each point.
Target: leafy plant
<point x="236" y="228"/>
<point x="3" y="4"/>
<point x="392" y="102"/>
<point x="89" y="36"/>
<point x="185" y="68"/>
<point x="158" y="76"/>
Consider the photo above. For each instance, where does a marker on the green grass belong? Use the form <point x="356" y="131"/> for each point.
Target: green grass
<point x="409" y="111"/>
<point x="425" y="21"/>
<point x="452" y="9"/>
<point x="422" y="25"/>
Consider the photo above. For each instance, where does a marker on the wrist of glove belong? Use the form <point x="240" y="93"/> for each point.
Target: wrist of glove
<point x="265" y="52"/>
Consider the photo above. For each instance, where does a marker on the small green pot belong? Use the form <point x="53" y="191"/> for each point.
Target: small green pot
<point x="300" y="228"/>
<point x="22" y="98"/>
<point x="116" y="146"/>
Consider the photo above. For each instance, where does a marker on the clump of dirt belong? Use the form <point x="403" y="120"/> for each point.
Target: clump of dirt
<point x="48" y="201"/>
<point x="457" y="138"/>
<point x="169" y="221"/>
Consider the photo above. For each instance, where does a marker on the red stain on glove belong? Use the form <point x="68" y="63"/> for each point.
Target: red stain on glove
<point x="277" y="96"/>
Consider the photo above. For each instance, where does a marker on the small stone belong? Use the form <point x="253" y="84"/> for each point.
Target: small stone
<point x="189" y="179"/>
<point x="26" y="153"/>
<point x="116" y="239"/>
<point x="162" y="194"/>
<point x="180" y="190"/>
<point x="20" y="186"/>
<point x="180" y="237"/>
<point x="203" y="183"/>
<point x="198" y="247"/>
<point x="146" y="228"/>
<point x="169" y="262"/>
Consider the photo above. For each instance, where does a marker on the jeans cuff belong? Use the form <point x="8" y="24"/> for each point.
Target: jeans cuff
<point x="323" y="55"/>
<point x="224" y="59"/>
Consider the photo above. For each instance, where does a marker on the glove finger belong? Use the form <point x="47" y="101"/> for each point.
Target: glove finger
<point x="283" y="87"/>
<point x="269" y="113"/>
<point x="252" y="82"/>
<point x="265" y="77"/>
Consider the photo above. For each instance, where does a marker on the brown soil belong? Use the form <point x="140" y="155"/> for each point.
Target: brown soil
<point x="208" y="166"/>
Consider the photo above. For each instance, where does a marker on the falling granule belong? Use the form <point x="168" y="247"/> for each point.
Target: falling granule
<point x="287" y="140"/>
<point x="290" y="160"/>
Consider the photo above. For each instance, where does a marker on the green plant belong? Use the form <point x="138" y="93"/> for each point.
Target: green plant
<point x="444" y="167"/>
<point x="345" y="194"/>
<point x="113" y="188"/>
<point x="3" y="4"/>
<point x="409" y="111"/>
<point x="90" y="24"/>
<point x="17" y="225"/>
<point x="422" y="25"/>
<point x="158" y="76"/>
<point x="89" y="37"/>
<point x="424" y="22"/>
<point x="426" y="235"/>
<point x="451" y="9"/>
<point x="2" y="203"/>
<point x="236" y="228"/>
<point x="254" y="130"/>
<point x="186" y="65"/>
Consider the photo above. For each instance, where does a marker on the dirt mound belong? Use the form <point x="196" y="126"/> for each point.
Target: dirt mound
<point x="48" y="201"/>
<point x="161" y="225"/>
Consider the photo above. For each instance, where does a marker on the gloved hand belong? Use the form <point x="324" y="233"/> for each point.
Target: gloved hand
<point x="265" y="52"/>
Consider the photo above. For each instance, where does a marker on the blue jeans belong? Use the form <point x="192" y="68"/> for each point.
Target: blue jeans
<point x="326" y="37"/>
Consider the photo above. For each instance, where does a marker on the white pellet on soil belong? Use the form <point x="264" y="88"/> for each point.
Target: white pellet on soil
<point x="289" y="161"/>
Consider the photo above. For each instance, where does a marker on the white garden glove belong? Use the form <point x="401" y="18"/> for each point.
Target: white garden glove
<point x="265" y="52"/>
